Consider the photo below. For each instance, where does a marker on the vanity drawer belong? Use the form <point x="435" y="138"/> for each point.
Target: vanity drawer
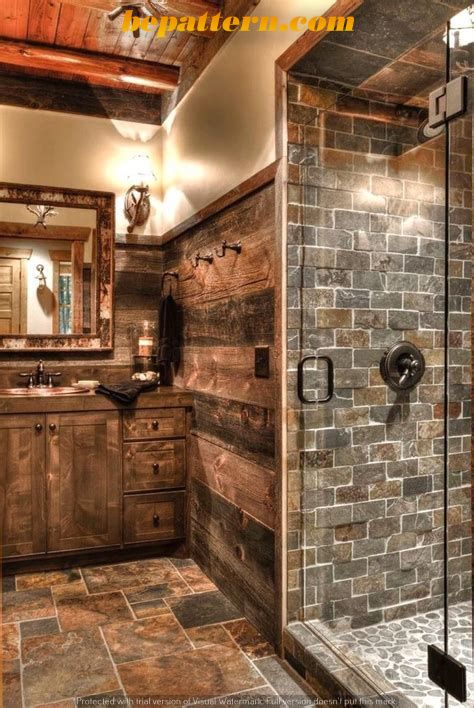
<point x="154" y="517"/>
<point x="154" y="465"/>
<point x="154" y="423"/>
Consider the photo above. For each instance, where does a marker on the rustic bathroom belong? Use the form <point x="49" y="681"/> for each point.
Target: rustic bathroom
<point x="236" y="333"/>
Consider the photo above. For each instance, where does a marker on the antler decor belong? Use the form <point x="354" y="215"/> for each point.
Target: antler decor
<point x="42" y="212"/>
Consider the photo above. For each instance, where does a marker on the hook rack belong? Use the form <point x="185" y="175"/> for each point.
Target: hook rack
<point x="209" y="258"/>
<point x="237" y="247"/>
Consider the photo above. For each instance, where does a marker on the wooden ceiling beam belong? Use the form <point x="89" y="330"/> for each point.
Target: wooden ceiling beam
<point x="9" y="229"/>
<point x="37" y="93"/>
<point x="95" y="69"/>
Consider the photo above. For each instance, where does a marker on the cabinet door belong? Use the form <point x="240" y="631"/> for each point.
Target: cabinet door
<point x="22" y="485"/>
<point x="84" y="480"/>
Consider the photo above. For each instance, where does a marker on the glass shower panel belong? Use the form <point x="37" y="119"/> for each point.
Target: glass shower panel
<point x="458" y="636"/>
<point x="304" y="340"/>
<point x="370" y="273"/>
<point x="380" y="251"/>
<point x="373" y="287"/>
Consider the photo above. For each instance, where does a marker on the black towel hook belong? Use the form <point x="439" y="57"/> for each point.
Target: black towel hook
<point x="170" y="274"/>
<point x="208" y="258"/>
<point x="237" y="247"/>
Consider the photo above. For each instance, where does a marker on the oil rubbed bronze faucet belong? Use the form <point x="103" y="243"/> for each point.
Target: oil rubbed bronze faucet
<point x="40" y="378"/>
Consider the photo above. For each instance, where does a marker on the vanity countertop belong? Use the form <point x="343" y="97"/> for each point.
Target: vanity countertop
<point x="163" y="397"/>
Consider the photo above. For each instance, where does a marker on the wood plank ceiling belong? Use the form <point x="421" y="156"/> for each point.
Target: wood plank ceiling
<point x="91" y="76"/>
<point x="78" y="24"/>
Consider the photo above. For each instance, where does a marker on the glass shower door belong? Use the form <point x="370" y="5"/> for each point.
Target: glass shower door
<point x="457" y="543"/>
<point x="382" y="256"/>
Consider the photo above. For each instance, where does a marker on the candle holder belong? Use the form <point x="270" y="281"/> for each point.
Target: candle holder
<point x="144" y="344"/>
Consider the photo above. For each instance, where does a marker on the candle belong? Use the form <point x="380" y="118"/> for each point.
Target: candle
<point x="145" y="346"/>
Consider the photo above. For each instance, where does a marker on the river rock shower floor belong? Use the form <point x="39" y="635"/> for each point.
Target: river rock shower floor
<point x="155" y="628"/>
<point x="398" y="649"/>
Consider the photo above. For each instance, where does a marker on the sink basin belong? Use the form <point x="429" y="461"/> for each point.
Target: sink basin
<point x="31" y="392"/>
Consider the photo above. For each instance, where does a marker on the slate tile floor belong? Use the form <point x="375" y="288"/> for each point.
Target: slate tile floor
<point x="152" y="628"/>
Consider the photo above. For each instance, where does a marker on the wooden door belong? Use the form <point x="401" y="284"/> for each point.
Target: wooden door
<point x="84" y="480"/>
<point x="22" y="485"/>
<point x="10" y="296"/>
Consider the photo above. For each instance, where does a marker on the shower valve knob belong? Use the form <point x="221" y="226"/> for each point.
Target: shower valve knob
<point x="410" y="366"/>
<point x="402" y="366"/>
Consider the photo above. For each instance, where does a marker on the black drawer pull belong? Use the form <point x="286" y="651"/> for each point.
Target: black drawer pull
<point x="155" y="425"/>
<point x="156" y="520"/>
<point x="156" y="468"/>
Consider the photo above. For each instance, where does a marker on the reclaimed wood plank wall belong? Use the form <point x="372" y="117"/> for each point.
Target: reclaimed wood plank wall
<point x="228" y="309"/>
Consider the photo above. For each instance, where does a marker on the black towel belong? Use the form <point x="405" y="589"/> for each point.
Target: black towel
<point x="126" y="392"/>
<point x="169" y="329"/>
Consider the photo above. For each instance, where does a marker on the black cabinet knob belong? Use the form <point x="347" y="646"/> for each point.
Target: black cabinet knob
<point x="38" y="427"/>
<point x="156" y="520"/>
<point x="155" y="425"/>
<point x="156" y="467"/>
<point x="52" y="427"/>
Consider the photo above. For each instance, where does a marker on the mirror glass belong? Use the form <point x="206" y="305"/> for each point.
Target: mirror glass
<point x="48" y="270"/>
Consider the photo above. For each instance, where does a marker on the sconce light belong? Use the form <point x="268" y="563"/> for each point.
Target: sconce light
<point x="137" y="198"/>
<point x="41" y="278"/>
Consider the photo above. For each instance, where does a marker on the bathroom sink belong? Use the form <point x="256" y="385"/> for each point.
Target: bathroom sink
<point x="56" y="391"/>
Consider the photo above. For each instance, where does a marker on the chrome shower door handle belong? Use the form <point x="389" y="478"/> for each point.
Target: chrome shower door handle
<point x="300" y="380"/>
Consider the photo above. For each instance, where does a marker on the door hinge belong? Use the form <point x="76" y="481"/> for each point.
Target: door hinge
<point x="447" y="102"/>
<point x="447" y="673"/>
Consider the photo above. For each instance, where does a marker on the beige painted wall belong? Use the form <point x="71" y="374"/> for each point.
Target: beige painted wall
<point x="61" y="150"/>
<point x="223" y="131"/>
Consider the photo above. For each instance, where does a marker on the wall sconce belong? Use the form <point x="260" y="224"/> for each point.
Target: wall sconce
<point x="137" y="198"/>
<point x="41" y="278"/>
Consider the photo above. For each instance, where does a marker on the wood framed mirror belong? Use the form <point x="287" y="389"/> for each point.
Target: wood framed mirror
<point x="56" y="268"/>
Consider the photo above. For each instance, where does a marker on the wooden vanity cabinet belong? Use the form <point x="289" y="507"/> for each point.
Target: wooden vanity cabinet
<point x="92" y="480"/>
<point x="84" y="480"/>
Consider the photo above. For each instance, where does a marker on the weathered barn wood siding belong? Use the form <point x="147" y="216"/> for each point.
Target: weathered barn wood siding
<point x="228" y="308"/>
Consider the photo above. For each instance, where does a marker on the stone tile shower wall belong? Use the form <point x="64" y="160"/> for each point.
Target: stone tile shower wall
<point x="365" y="270"/>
